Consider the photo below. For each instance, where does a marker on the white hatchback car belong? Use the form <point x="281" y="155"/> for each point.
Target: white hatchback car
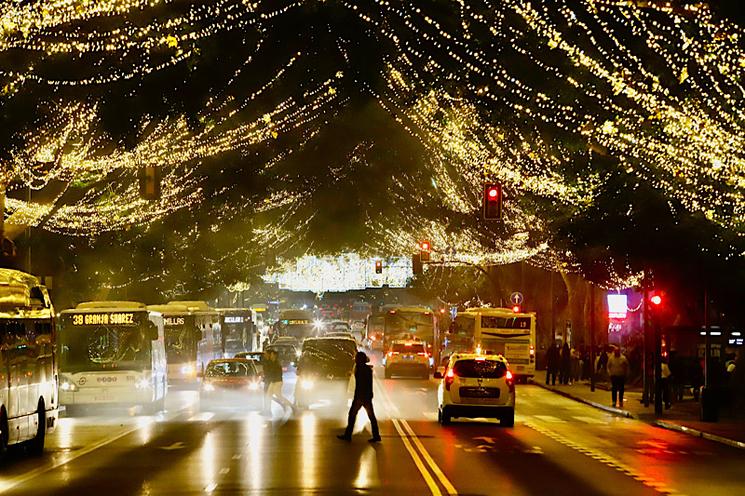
<point x="476" y="386"/>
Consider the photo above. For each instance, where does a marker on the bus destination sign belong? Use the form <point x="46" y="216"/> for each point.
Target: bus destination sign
<point x="113" y="318"/>
<point x="173" y="321"/>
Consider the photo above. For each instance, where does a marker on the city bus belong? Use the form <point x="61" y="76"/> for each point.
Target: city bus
<point x="410" y="322"/>
<point x="28" y="362"/>
<point x="296" y="323"/>
<point x="239" y="333"/>
<point x="112" y="352"/>
<point x="497" y="331"/>
<point x="193" y="337"/>
<point x="374" y="331"/>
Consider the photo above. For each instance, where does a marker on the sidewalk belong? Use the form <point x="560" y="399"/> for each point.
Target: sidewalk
<point x="682" y="416"/>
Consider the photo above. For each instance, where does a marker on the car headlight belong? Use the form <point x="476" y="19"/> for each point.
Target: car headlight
<point x="298" y="353"/>
<point x="187" y="370"/>
<point x="208" y="387"/>
<point x="68" y="387"/>
<point x="142" y="384"/>
<point x="254" y="386"/>
<point x="306" y="384"/>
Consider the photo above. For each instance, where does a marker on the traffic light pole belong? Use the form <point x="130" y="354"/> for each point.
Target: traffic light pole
<point x="645" y="347"/>
<point x="657" y="366"/>
<point x="592" y="337"/>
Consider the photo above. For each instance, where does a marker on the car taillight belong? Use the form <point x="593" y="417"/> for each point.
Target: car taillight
<point x="449" y="378"/>
<point x="421" y="353"/>
<point x="510" y="381"/>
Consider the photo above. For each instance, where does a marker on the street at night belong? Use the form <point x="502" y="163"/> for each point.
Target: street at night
<point x="389" y="247"/>
<point x="557" y="446"/>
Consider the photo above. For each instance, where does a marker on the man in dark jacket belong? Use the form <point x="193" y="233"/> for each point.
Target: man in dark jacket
<point x="552" y="363"/>
<point x="363" y="395"/>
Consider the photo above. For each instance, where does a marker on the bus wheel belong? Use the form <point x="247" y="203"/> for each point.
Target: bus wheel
<point x="36" y="445"/>
<point x="4" y="436"/>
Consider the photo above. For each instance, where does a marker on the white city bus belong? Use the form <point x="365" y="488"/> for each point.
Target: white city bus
<point x="112" y="352"/>
<point x="496" y="331"/>
<point x="28" y="364"/>
<point x="193" y="338"/>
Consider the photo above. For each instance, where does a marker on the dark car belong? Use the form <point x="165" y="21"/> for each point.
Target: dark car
<point x="324" y="370"/>
<point x="286" y="352"/>
<point x="231" y="382"/>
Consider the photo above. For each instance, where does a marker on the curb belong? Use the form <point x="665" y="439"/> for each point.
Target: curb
<point x="609" y="409"/>
<point x="697" y="433"/>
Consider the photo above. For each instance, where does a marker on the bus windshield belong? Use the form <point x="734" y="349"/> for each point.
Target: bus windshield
<point x="180" y="343"/>
<point x="94" y="348"/>
<point x="463" y="325"/>
<point x="402" y="322"/>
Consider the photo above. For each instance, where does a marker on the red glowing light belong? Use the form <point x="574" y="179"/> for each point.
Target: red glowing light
<point x="656" y="299"/>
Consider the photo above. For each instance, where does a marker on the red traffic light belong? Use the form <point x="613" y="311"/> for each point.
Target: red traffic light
<point x="516" y="308"/>
<point x="656" y="300"/>
<point x="378" y="266"/>
<point x="425" y="246"/>
<point x="492" y="201"/>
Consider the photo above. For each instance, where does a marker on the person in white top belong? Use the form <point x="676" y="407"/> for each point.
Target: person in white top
<point x="618" y="369"/>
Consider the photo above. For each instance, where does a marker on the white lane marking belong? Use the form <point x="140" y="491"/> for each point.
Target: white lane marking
<point x="237" y="457"/>
<point x="175" y="446"/>
<point x="11" y="483"/>
<point x="224" y="471"/>
<point x="202" y="417"/>
<point x="550" y="419"/>
<point x="210" y="487"/>
<point x="590" y="420"/>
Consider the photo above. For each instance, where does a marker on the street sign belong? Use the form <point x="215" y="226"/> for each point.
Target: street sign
<point x="516" y="298"/>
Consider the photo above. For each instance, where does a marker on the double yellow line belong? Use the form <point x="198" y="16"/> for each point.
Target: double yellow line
<point x="421" y="457"/>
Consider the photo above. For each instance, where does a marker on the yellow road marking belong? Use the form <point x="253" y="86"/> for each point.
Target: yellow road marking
<point x="435" y="468"/>
<point x="433" y="487"/>
<point x="417" y="451"/>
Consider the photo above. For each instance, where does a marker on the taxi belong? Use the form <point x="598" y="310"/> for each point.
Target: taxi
<point x="407" y="357"/>
<point x="475" y="385"/>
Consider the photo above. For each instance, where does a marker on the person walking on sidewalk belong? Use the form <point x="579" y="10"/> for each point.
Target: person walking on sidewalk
<point x="618" y="370"/>
<point x="363" y="395"/>
<point x="552" y="363"/>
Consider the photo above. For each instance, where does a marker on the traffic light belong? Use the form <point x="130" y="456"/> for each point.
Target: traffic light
<point x="416" y="263"/>
<point x="425" y="248"/>
<point x="378" y="266"/>
<point x="516" y="308"/>
<point x="492" y="201"/>
<point x="149" y="177"/>
<point x="656" y="299"/>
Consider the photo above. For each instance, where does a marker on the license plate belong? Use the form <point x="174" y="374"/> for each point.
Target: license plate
<point x="478" y="392"/>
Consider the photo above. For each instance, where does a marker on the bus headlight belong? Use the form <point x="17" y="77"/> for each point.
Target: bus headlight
<point x="306" y="384"/>
<point x="68" y="386"/>
<point x="254" y="386"/>
<point x="142" y="384"/>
